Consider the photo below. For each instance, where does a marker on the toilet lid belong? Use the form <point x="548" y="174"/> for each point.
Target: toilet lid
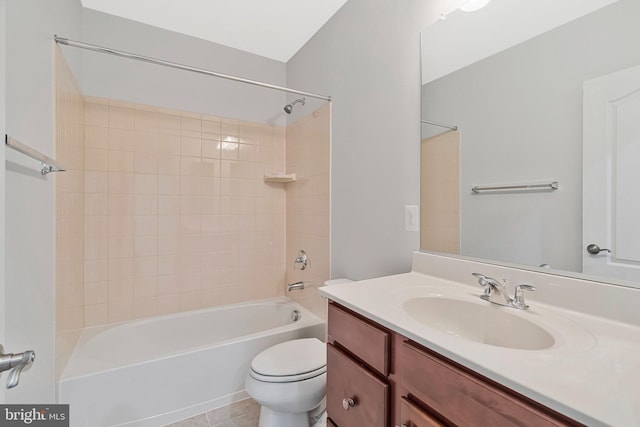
<point x="291" y="358"/>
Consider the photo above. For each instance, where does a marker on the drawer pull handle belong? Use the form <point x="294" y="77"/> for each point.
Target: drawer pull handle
<point x="348" y="403"/>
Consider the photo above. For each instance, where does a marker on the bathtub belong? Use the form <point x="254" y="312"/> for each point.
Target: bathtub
<point x="151" y="372"/>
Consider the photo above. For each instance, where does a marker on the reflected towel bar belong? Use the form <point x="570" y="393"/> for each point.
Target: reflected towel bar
<point x="439" y="124"/>
<point x="552" y="186"/>
<point x="48" y="164"/>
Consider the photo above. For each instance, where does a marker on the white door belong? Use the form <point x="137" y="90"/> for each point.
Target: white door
<point x="611" y="175"/>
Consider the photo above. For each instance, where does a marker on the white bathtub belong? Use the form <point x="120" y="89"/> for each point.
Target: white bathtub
<point x="151" y="372"/>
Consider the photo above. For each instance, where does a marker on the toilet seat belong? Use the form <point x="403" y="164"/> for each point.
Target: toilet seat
<point x="290" y="361"/>
<point x="287" y="378"/>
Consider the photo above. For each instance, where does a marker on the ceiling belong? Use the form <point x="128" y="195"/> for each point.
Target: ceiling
<point x="275" y="29"/>
<point x="465" y="38"/>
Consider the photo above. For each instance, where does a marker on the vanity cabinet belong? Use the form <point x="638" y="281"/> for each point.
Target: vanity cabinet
<point x="358" y="361"/>
<point x="378" y="378"/>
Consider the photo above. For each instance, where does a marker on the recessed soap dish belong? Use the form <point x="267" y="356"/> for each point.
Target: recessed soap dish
<point x="279" y="177"/>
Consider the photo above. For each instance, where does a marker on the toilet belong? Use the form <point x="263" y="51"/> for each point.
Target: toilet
<point x="289" y="381"/>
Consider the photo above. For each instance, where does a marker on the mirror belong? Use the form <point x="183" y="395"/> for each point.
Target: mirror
<point x="510" y="77"/>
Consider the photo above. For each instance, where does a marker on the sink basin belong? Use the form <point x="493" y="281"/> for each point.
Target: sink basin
<point x="480" y="322"/>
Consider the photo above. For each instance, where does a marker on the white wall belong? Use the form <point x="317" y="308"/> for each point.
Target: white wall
<point x="367" y="57"/>
<point x="118" y="78"/>
<point x="506" y="140"/>
<point x="30" y="198"/>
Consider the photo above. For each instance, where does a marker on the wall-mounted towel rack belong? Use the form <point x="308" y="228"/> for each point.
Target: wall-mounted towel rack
<point x="551" y="186"/>
<point x="48" y="164"/>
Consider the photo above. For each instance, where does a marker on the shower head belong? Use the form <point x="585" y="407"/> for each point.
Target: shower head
<point x="289" y="107"/>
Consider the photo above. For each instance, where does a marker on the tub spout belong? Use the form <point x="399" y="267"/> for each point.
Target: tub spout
<point x="297" y="286"/>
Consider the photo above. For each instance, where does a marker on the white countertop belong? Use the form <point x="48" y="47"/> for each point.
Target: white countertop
<point x="590" y="374"/>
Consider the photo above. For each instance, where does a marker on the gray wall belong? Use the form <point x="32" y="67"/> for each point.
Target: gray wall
<point x="367" y="57"/>
<point x="507" y="140"/>
<point x="30" y="198"/>
<point x="112" y="77"/>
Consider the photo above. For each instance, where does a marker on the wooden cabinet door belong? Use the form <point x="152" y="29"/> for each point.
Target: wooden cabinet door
<point x="348" y="381"/>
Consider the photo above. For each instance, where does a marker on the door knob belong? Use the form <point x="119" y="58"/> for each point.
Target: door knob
<point x="594" y="249"/>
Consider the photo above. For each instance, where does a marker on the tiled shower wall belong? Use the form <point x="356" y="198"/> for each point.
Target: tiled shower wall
<point x="440" y="193"/>
<point x="177" y="216"/>
<point x="163" y="211"/>
<point x="308" y="156"/>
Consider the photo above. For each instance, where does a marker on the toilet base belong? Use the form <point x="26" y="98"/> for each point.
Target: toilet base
<point x="318" y="413"/>
<point x="271" y="418"/>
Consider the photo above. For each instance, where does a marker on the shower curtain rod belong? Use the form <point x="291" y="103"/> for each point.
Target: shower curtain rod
<point x="101" y="49"/>
<point x="439" y="124"/>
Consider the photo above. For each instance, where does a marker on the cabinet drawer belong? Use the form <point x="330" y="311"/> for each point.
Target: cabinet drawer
<point x="413" y="416"/>
<point x="468" y="399"/>
<point x="347" y="379"/>
<point x="330" y="423"/>
<point x="368" y="342"/>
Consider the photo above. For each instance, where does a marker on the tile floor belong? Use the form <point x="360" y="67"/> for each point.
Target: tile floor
<point x="239" y="414"/>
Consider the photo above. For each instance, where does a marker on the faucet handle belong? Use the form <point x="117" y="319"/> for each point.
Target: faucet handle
<point x="485" y="282"/>
<point x="16" y="362"/>
<point x="301" y="260"/>
<point x="482" y="279"/>
<point x="518" y="300"/>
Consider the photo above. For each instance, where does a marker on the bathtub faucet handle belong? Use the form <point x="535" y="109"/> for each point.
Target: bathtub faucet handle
<point x="301" y="260"/>
<point x="15" y="362"/>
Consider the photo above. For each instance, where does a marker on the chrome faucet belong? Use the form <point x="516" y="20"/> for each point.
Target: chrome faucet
<point x="15" y="362"/>
<point x="297" y="286"/>
<point x="496" y="292"/>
